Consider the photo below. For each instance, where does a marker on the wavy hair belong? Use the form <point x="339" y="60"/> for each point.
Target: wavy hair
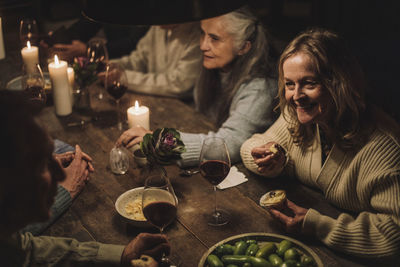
<point x="243" y="26"/>
<point x="340" y="74"/>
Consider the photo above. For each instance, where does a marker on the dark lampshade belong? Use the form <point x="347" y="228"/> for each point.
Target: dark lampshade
<point x="156" y="12"/>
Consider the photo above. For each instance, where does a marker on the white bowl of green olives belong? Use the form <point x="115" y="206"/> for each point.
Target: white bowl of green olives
<point x="260" y="250"/>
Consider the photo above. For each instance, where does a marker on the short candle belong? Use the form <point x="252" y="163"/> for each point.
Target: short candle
<point x="30" y="56"/>
<point x="138" y="116"/>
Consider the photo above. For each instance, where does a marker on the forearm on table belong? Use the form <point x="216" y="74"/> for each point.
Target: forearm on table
<point x="54" y="251"/>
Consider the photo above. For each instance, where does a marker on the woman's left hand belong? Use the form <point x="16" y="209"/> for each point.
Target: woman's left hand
<point x="292" y="224"/>
<point x="132" y="136"/>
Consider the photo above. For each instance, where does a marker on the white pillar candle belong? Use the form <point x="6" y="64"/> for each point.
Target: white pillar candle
<point x="71" y="81"/>
<point x="2" y="51"/>
<point x="139" y="116"/>
<point x="61" y="88"/>
<point x="30" y="56"/>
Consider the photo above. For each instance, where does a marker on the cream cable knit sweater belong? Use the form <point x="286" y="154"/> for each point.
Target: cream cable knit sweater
<point x="364" y="182"/>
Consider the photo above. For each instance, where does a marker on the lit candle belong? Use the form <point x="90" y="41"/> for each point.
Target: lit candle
<point x="61" y="88"/>
<point x="139" y="116"/>
<point x="30" y="56"/>
<point x="71" y="81"/>
<point x="2" y="52"/>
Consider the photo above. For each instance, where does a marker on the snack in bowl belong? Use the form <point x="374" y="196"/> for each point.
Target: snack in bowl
<point x="134" y="210"/>
<point x="129" y="206"/>
<point x="273" y="199"/>
<point x="260" y="249"/>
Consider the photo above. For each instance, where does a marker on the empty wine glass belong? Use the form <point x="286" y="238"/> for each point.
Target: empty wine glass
<point x="33" y="84"/>
<point x="159" y="204"/>
<point x="119" y="160"/>
<point x="116" y="84"/>
<point x="28" y="31"/>
<point x="97" y="53"/>
<point x="215" y="164"/>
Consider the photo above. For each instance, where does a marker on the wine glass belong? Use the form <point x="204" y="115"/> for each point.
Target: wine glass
<point x="28" y="31"/>
<point x="116" y="83"/>
<point x="159" y="204"/>
<point x="33" y="84"/>
<point x="97" y="53"/>
<point x="215" y="164"/>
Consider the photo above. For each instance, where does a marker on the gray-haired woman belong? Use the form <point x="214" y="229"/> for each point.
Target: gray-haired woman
<point x="235" y="89"/>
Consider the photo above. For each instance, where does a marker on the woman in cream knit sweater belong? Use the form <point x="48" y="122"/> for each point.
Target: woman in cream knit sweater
<point x="332" y="140"/>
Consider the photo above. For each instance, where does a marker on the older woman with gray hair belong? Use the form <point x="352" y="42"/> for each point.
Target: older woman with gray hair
<point x="235" y="89"/>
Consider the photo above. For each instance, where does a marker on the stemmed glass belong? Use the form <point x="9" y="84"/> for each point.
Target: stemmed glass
<point x="33" y="84"/>
<point x="159" y="204"/>
<point x="215" y="164"/>
<point x="116" y="83"/>
<point x="28" y="31"/>
<point x="97" y="52"/>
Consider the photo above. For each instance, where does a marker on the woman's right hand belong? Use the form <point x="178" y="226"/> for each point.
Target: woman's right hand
<point x="132" y="136"/>
<point x="269" y="161"/>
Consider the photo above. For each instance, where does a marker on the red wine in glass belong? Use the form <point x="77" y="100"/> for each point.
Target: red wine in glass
<point x="160" y="213"/>
<point x="214" y="165"/>
<point x="117" y="90"/>
<point x="214" y="171"/>
<point x="36" y="96"/>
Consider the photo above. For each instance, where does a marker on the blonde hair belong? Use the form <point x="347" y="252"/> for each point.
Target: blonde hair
<point x="340" y="74"/>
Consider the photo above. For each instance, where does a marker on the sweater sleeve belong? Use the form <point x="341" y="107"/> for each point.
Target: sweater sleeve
<point x="137" y="59"/>
<point x="56" y="251"/>
<point x="370" y="234"/>
<point x="251" y="112"/>
<point x="176" y="81"/>
<point x="62" y="202"/>
<point x="277" y="132"/>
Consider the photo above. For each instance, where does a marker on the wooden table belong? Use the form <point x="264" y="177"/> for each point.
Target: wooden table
<point x="92" y="215"/>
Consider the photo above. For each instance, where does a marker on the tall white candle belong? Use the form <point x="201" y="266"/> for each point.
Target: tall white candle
<point x="71" y="81"/>
<point x="2" y="50"/>
<point x="61" y="88"/>
<point x="30" y="56"/>
<point x="139" y="116"/>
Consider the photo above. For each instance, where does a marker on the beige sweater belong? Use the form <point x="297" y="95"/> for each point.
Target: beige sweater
<point x="364" y="182"/>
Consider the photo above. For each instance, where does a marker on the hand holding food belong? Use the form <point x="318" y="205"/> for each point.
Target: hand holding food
<point x="153" y="245"/>
<point x="269" y="157"/>
<point x="292" y="224"/>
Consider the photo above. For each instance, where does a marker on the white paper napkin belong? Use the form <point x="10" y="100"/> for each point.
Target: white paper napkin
<point x="234" y="178"/>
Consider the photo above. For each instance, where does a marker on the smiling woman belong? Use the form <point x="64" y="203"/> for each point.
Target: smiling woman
<point x="335" y="141"/>
<point x="235" y="89"/>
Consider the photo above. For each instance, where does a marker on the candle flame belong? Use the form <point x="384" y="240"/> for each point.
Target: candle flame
<point x="28" y="44"/>
<point x="56" y="60"/>
<point x="136" y="105"/>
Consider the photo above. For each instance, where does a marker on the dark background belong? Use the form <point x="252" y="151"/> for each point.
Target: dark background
<point x="372" y="29"/>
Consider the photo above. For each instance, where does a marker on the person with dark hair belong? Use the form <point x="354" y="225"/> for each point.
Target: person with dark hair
<point x="235" y="88"/>
<point x="28" y="184"/>
<point x="330" y="138"/>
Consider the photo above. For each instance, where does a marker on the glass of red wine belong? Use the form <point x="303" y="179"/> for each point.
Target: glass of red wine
<point x="215" y="164"/>
<point x="116" y="83"/>
<point x="33" y="85"/>
<point x="159" y="204"/>
<point x="97" y="53"/>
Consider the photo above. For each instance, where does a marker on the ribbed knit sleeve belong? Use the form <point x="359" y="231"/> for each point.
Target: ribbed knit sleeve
<point x="369" y="186"/>
<point x="277" y="132"/>
<point x="250" y="112"/>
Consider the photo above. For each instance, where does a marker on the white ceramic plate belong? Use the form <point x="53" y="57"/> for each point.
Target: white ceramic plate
<point x="124" y="199"/>
<point x="263" y="237"/>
